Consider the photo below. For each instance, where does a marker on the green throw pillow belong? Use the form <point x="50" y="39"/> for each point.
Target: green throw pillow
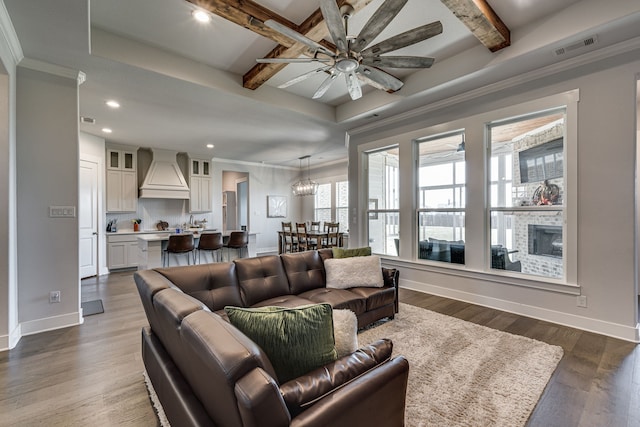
<point x="346" y="253"/>
<point x="296" y="340"/>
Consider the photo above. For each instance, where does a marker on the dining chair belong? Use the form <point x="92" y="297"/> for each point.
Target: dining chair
<point x="180" y="244"/>
<point x="333" y="235"/>
<point x="315" y="226"/>
<point x="304" y="241"/>
<point x="210" y="242"/>
<point x="238" y="240"/>
<point x="289" y="239"/>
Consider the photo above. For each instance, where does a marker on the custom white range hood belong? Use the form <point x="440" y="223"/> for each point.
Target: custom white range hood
<point x="164" y="179"/>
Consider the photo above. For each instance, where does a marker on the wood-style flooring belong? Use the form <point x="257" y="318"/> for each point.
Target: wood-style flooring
<point x="92" y="374"/>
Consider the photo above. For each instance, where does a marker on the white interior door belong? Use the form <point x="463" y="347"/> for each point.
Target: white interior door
<point x="88" y="218"/>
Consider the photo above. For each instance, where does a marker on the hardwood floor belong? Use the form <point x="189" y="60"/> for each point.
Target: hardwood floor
<point x="92" y="374"/>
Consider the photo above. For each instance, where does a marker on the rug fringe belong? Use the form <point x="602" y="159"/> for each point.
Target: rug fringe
<point x="162" y="417"/>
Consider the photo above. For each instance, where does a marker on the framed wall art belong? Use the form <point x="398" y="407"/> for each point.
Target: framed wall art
<point x="276" y="206"/>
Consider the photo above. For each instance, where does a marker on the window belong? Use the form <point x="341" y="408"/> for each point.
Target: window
<point x="342" y="205"/>
<point x="526" y="191"/>
<point x="441" y="198"/>
<point x="325" y="211"/>
<point x="322" y="205"/>
<point x="383" y="195"/>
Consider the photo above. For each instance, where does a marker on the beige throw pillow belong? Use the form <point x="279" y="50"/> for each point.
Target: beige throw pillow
<point x="362" y="271"/>
<point x="345" y="331"/>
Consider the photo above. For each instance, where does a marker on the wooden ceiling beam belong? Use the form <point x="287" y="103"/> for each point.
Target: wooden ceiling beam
<point x="483" y="22"/>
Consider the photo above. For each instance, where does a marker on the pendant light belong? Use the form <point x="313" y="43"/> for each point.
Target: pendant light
<point x="305" y="187"/>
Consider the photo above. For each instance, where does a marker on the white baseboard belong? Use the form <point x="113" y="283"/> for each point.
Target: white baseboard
<point x="601" y="327"/>
<point x="7" y="342"/>
<point x="51" y="323"/>
<point x="266" y="251"/>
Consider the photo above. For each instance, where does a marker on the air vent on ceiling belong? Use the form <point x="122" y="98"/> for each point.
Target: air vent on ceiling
<point x="586" y="42"/>
<point x="89" y="120"/>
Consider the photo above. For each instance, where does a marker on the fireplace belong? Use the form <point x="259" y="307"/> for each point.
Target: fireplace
<point x="545" y="240"/>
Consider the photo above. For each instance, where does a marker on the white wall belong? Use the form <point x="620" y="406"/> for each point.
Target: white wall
<point x="263" y="181"/>
<point x="47" y="174"/>
<point x="606" y="224"/>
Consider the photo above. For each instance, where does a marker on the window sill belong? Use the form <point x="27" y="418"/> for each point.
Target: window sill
<point x="495" y="276"/>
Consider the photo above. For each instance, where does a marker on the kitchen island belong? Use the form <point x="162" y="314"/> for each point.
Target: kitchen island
<point x="152" y="245"/>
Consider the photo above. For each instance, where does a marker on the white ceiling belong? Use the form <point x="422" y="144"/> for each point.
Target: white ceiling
<point x="180" y="82"/>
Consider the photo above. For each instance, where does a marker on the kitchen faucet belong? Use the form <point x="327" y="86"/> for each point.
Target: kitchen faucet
<point x="191" y="220"/>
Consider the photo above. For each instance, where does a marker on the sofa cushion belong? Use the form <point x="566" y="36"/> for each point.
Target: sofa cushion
<point x="287" y="301"/>
<point x="296" y="340"/>
<point x="215" y="284"/>
<point x="348" y="253"/>
<point x="261" y="278"/>
<point x="305" y="271"/>
<point x="344" y="273"/>
<point x="338" y="298"/>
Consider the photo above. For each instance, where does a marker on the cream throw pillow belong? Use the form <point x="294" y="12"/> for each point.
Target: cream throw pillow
<point x="345" y="331"/>
<point x="344" y="273"/>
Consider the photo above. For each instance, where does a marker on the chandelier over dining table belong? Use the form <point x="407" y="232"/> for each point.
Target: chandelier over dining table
<point x="305" y="187"/>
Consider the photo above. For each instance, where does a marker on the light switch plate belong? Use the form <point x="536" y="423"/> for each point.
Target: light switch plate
<point x="62" y="211"/>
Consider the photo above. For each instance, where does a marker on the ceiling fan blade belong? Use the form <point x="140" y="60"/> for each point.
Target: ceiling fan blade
<point x="399" y="61"/>
<point x="294" y="35"/>
<point x="378" y="22"/>
<point x="290" y="60"/>
<point x="355" y="91"/>
<point x="324" y="87"/>
<point x="333" y="19"/>
<point x="383" y="80"/>
<point x="405" y="39"/>
<point x="304" y="76"/>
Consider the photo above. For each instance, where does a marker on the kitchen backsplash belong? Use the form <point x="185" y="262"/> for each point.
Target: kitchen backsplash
<point x="151" y="211"/>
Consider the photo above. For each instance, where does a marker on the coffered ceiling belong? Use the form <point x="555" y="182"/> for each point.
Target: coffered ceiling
<point x="182" y="84"/>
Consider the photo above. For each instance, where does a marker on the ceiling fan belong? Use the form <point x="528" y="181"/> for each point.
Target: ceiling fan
<point x="353" y="58"/>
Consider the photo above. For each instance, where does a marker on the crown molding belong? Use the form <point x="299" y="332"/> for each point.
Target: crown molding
<point x="56" y="70"/>
<point x="8" y="33"/>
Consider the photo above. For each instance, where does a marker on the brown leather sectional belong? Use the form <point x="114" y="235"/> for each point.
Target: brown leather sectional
<point x="207" y="373"/>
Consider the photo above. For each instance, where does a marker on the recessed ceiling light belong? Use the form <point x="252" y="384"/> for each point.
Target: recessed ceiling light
<point x="201" y="16"/>
<point x="106" y="130"/>
<point x="113" y="104"/>
<point x="210" y="145"/>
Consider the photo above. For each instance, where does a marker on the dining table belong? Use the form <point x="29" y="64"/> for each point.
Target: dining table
<point x="318" y="235"/>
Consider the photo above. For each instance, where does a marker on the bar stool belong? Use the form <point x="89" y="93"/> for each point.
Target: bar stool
<point x="238" y="240"/>
<point x="210" y="242"/>
<point x="180" y="244"/>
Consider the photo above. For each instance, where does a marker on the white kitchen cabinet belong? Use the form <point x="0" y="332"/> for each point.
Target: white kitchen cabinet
<point x="122" y="180"/>
<point x="200" y="185"/>
<point x="122" y="251"/>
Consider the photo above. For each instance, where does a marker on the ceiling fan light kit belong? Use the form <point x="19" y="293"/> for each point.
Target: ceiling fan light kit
<point x="357" y="62"/>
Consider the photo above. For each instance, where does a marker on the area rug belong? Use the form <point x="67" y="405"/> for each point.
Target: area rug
<point x="463" y="374"/>
<point x="92" y="307"/>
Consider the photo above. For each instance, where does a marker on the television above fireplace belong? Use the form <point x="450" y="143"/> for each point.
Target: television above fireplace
<point x="544" y="161"/>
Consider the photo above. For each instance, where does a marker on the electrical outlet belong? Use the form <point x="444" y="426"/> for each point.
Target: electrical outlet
<point x="581" y="301"/>
<point x="54" y="296"/>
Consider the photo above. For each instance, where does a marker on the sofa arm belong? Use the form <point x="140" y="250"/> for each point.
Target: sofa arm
<point x="303" y="392"/>
<point x="259" y="401"/>
<point x="391" y="277"/>
<point x="373" y="399"/>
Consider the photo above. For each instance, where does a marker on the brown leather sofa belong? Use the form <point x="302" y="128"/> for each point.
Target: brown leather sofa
<point x="207" y="373"/>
